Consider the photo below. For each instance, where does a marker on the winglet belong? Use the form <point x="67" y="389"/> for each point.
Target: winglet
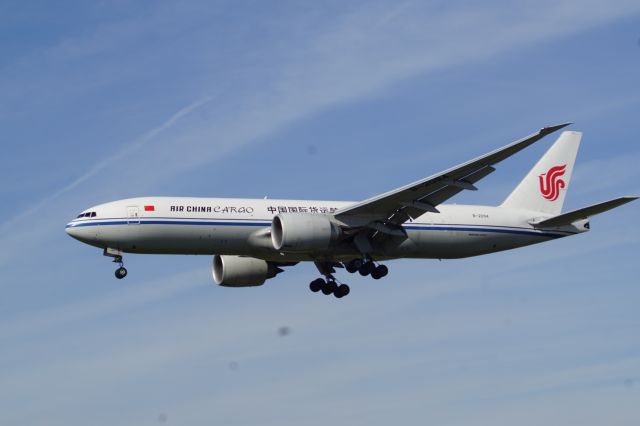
<point x="550" y="129"/>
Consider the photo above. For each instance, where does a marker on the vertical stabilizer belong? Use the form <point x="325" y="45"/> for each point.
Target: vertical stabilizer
<point x="544" y="188"/>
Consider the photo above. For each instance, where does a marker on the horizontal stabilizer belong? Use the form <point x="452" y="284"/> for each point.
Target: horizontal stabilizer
<point x="583" y="213"/>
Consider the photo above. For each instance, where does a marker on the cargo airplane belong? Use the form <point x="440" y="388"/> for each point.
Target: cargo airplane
<point x="251" y="240"/>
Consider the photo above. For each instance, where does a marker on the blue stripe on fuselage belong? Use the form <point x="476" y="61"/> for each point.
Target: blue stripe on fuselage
<point x="167" y="222"/>
<point x="444" y="227"/>
<point x="521" y="231"/>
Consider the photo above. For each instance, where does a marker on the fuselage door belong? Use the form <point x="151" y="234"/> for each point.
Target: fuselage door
<point x="133" y="215"/>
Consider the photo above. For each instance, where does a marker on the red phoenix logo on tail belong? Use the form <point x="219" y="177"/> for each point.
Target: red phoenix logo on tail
<point x="551" y="184"/>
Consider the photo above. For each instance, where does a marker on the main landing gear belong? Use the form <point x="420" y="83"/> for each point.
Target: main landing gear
<point x="366" y="267"/>
<point x="329" y="284"/>
<point x="121" y="272"/>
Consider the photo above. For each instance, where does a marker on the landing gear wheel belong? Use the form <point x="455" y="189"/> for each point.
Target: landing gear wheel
<point x="379" y="272"/>
<point x="366" y="269"/>
<point x="341" y="291"/>
<point x="316" y="285"/>
<point x="353" y="265"/>
<point x="121" y="272"/>
<point x="329" y="287"/>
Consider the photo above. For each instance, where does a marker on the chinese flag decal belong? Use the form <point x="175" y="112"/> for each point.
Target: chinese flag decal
<point x="149" y="208"/>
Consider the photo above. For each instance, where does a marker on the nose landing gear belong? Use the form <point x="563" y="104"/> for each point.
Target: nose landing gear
<point x="121" y="272"/>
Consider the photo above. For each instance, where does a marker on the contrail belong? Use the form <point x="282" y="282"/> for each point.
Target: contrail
<point x="138" y="142"/>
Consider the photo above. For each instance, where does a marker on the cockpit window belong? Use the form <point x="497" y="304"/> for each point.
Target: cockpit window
<point x="87" y="214"/>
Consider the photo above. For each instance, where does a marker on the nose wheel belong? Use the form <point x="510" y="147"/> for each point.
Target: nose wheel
<point x="121" y="272"/>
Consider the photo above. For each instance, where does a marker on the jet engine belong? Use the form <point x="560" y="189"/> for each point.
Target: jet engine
<point x="238" y="271"/>
<point x="303" y="232"/>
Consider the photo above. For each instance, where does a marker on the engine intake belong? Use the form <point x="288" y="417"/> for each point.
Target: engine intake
<point x="303" y="232"/>
<point x="237" y="271"/>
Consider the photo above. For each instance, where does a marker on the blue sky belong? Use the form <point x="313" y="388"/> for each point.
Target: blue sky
<point x="319" y="100"/>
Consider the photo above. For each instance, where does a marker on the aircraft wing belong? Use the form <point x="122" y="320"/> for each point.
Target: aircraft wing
<point x="399" y="205"/>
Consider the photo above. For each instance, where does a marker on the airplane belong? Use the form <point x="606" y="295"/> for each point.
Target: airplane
<point x="252" y="240"/>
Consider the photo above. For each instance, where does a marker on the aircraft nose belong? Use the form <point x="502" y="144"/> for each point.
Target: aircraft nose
<point x="71" y="230"/>
<point x="80" y="233"/>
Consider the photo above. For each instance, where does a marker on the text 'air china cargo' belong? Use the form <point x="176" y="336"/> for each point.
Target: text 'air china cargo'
<point x="251" y="240"/>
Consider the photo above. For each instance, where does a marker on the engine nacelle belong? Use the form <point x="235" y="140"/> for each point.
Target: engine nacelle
<point x="303" y="232"/>
<point x="237" y="271"/>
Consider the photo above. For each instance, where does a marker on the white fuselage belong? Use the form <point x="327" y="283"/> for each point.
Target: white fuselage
<point x="179" y="225"/>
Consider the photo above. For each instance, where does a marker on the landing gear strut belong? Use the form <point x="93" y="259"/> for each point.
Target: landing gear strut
<point x="121" y="272"/>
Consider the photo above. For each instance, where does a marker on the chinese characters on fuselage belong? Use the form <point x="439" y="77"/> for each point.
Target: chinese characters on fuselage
<point x="248" y="210"/>
<point x="308" y="209"/>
